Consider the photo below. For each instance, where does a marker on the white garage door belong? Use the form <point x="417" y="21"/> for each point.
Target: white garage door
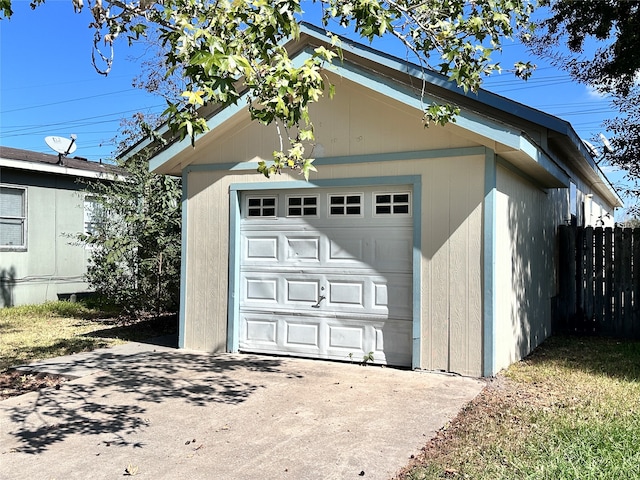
<point x="327" y="273"/>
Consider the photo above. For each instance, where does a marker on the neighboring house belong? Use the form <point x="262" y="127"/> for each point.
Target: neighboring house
<point x="433" y="248"/>
<point x="42" y="206"/>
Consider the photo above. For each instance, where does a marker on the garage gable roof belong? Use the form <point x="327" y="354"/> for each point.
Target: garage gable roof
<point x="502" y="122"/>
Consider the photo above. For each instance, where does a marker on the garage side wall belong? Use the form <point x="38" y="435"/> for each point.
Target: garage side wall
<point x="526" y="221"/>
<point x="451" y="254"/>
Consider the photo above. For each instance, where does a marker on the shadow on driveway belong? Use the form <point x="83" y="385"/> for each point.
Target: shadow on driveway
<point x="146" y="377"/>
<point x="179" y="414"/>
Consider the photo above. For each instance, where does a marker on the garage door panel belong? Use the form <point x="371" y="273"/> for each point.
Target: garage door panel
<point x="262" y="248"/>
<point x="303" y="334"/>
<point x="261" y="289"/>
<point x="399" y="296"/>
<point x="392" y="254"/>
<point x="303" y="249"/>
<point x="340" y="338"/>
<point x="346" y="293"/>
<point x="351" y="338"/>
<point x="388" y="295"/>
<point x="346" y="249"/>
<point x="302" y="291"/>
<point x="261" y="331"/>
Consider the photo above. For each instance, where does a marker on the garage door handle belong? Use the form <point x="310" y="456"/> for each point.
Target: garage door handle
<point x="317" y="305"/>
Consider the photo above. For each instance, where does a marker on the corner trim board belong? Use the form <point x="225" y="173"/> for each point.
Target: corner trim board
<point x="233" y="303"/>
<point x="416" y="347"/>
<point x="489" y="261"/>
<point x="183" y="262"/>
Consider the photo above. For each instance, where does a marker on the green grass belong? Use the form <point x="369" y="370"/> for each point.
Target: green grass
<point x="569" y="411"/>
<point x="34" y="332"/>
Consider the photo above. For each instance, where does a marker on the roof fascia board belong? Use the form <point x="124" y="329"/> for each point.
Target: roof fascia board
<point x="546" y="162"/>
<point x="57" y="169"/>
<point x="594" y="167"/>
<point x="394" y="89"/>
<point x="165" y="156"/>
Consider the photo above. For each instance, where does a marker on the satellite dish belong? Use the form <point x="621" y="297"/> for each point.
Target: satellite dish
<point x="62" y="145"/>
<point x="592" y="150"/>
<point x="607" y="146"/>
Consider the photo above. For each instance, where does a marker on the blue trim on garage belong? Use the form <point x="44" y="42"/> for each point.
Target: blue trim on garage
<point x="233" y="304"/>
<point x="351" y="159"/>
<point x="179" y="146"/>
<point x="489" y="260"/>
<point x="236" y="189"/>
<point x="183" y="262"/>
<point x="416" y="352"/>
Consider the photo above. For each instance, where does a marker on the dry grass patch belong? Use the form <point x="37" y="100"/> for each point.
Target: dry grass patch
<point x="36" y="332"/>
<point x="570" y="410"/>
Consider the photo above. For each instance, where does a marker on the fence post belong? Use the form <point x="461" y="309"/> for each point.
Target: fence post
<point x="635" y="257"/>
<point x="598" y="301"/>
<point x="627" y="287"/>
<point x="609" y="304"/>
<point x="566" y="277"/>
<point x="578" y="317"/>
<point x="588" y="281"/>
<point x="618" y="279"/>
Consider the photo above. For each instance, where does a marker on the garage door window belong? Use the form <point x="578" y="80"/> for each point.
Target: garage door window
<point x="302" y="206"/>
<point x="261" y="207"/>
<point x="392" y="203"/>
<point x="350" y="204"/>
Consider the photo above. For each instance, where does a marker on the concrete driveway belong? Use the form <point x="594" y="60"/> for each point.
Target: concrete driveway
<point x="176" y="414"/>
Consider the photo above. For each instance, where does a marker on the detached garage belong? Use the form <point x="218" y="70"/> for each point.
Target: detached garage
<point x="424" y="248"/>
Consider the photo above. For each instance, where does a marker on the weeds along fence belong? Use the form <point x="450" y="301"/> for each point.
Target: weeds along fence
<point x="599" y="281"/>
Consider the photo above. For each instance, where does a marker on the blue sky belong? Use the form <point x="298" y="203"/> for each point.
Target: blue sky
<point x="49" y="87"/>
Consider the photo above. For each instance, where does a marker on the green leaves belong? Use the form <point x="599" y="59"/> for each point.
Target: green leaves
<point x="5" y="8"/>
<point x="231" y="48"/>
<point x="293" y="159"/>
<point x="440" y="114"/>
<point x="194" y="98"/>
<point x="224" y="49"/>
<point x="135" y="239"/>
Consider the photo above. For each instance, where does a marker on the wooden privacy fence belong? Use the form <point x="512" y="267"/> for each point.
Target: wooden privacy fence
<point x="599" y="281"/>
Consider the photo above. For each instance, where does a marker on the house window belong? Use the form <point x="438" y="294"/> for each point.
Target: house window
<point x="13" y="218"/>
<point x="94" y="215"/>
<point x="302" y="206"/>
<point x="349" y="204"/>
<point x="261" y="207"/>
<point x="392" y="203"/>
